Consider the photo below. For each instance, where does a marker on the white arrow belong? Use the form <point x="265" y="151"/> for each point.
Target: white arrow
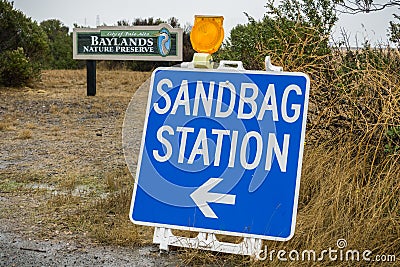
<point x="201" y="196"/>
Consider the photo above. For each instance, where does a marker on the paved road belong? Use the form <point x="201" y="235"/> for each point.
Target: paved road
<point x="18" y="251"/>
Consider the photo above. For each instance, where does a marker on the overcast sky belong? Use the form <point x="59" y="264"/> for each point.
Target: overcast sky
<point x="372" y="26"/>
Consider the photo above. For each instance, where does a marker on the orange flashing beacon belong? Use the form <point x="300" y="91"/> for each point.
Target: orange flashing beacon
<point x="207" y="34"/>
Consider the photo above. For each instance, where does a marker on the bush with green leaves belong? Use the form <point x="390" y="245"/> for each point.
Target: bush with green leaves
<point x="60" y="44"/>
<point x="22" y="42"/>
<point x="393" y="140"/>
<point x="15" y="68"/>
<point x="354" y="94"/>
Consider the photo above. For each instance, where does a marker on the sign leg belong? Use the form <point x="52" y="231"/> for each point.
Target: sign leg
<point x="91" y="77"/>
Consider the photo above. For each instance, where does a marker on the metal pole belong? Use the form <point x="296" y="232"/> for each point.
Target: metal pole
<point x="91" y="77"/>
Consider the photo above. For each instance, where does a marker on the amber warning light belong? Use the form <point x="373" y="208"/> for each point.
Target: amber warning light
<point x="207" y="34"/>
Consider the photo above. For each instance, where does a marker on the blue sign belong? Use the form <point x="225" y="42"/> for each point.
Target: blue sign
<point x="222" y="152"/>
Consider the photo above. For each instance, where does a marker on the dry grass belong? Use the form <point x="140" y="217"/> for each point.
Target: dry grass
<point x="344" y="195"/>
<point x="337" y="202"/>
<point x="57" y="140"/>
<point x="4" y="126"/>
<point x="350" y="187"/>
<point x="25" y="134"/>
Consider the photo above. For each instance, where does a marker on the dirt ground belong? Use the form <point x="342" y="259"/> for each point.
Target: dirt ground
<point x="61" y="161"/>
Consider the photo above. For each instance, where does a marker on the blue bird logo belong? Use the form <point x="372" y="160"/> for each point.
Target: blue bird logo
<point x="164" y="42"/>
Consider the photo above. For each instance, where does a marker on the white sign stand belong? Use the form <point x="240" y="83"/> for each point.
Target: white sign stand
<point x="208" y="241"/>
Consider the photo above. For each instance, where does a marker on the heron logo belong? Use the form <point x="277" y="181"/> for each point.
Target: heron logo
<point x="164" y="42"/>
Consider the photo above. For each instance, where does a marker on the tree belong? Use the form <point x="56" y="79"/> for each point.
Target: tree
<point x="187" y="46"/>
<point x="295" y="33"/>
<point x="395" y="30"/>
<point x="23" y="44"/>
<point x="364" y="6"/>
<point x="188" y="50"/>
<point x="123" y="22"/>
<point x="60" y="42"/>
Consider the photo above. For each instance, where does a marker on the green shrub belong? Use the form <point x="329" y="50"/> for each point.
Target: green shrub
<point x="23" y="47"/>
<point x="393" y="140"/>
<point x="17" y="30"/>
<point x="15" y="68"/>
<point x="60" y="44"/>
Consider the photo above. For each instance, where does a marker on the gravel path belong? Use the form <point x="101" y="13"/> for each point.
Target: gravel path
<point x="19" y="251"/>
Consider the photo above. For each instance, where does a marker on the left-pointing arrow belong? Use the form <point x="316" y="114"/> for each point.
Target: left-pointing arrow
<point x="201" y="196"/>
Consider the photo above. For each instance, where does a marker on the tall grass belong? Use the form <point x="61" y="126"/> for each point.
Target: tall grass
<point x="351" y="180"/>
